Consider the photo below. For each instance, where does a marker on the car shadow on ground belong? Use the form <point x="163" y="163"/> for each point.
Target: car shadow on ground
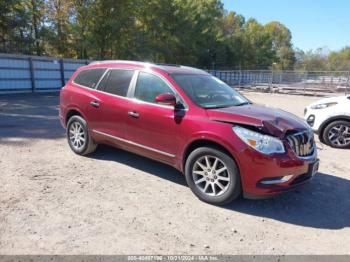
<point x="29" y="116"/>
<point x="322" y="203"/>
<point x="144" y="164"/>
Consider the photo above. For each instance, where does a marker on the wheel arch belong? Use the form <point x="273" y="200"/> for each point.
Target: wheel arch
<point x="329" y="121"/>
<point x="73" y="112"/>
<point x="204" y="142"/>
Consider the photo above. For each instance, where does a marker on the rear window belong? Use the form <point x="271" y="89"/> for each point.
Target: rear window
<point x="117" y="82"/>
<point x="90" y="77"/>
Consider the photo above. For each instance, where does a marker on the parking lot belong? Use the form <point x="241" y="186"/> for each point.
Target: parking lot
<point x="113" y="202"/>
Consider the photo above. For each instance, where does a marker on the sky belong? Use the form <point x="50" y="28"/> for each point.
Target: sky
<point x="313" y="23"/>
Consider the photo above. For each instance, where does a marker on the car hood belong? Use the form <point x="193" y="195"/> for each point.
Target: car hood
<point x="272" y="121"/>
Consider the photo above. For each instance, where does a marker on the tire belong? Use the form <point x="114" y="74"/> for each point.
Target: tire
<point x="82" y="147"/>
<point x="337" y="134"/>
<point x="195" y="173"/>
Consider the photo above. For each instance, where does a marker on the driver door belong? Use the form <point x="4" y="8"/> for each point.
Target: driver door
<point x="152" y="129"/>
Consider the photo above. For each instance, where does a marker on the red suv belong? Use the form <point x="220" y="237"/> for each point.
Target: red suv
<point x="182" y="116"/>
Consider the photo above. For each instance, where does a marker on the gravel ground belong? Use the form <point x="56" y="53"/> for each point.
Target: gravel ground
<point x="113" y="202"/>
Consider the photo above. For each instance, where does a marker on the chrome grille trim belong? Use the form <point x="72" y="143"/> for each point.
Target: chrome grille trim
<point x="302" y="143"/>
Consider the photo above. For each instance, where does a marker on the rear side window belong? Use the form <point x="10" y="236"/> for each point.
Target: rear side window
<point x="117" y="82"/>
<point x="149" y="86"/>
<point x="89" y="78"/>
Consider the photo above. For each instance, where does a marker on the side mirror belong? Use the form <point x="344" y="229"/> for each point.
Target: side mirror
<point x="166" y="99"/>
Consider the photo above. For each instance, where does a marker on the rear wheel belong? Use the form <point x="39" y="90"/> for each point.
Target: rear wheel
<point x="78" y="136"/>
<point x="337" y="134"/>
<point x="213" y="176"/>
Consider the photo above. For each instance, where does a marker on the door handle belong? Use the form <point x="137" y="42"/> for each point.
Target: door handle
<point x="133" y="114"/>
<point x="95" y="104"/>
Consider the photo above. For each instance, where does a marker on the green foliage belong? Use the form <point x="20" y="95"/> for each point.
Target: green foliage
<point x="192" y="32"/>
<point x="340" y="60"/>
<point x="323" y="60"/>
<point x="281" y="43"/>
<point x="14" y="33"/>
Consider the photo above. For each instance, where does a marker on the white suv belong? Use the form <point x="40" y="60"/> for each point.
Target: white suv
<point x="330" y="119"/>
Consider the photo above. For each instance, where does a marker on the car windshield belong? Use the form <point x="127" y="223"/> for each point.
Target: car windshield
<point x="208" y="91"/>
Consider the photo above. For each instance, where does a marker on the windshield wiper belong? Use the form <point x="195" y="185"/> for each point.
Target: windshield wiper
<point x="224" y="106"/>
<point x="244" y="103"/>
<point x="217" y="107"/>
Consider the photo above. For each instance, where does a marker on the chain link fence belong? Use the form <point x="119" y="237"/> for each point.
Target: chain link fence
<point x="317" y="83"/>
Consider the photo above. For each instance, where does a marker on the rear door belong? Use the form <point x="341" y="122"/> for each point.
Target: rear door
<point x="110" y="104"/>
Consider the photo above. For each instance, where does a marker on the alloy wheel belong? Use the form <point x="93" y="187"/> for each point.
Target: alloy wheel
<point x="210" y="175"/>
<point x="77" y="135"/>
<point x="339" y="135"/>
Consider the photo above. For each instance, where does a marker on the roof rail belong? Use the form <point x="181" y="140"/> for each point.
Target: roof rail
<point x="159" y="65"/>
<point x="118" y="61"/>
<point x="165" y="64"/>
<point x="133" y="62"/>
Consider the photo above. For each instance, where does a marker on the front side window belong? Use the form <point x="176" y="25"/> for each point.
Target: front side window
<point x="208" y="91"/>
<point x="89" y="78"/>
<point x="117" y="82"/>
<point x="149" y="86"/>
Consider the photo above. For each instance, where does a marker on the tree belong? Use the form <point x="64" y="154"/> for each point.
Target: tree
<point x="258" y="46"/>
<point x="230" y="48"/>
<point x="81" y="24"/>
<point x="59" y="27"/>
<point x="111" y="24"/>
<point x="35" y="10"/>
<point x="312" y="60"/>
<point x="281" y="44"/>
<point x="193" y="32"/>
<point x="14" y="36"/>
<point x="340" y="60"/>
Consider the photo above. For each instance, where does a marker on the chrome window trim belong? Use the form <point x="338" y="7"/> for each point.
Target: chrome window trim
<point x="106" y="93"/>
<point x="90" y="88"/>
<point x="104" y="74"/>
<point x="138" y="101"/>
<point x="176" y="93"/>
<point x="132" y="85"/>
<point x="133" y="143"/>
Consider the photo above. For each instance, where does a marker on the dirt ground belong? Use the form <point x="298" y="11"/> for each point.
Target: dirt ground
<point x="112" y="202"/>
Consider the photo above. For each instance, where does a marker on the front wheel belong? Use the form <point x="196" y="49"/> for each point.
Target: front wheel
<point x="213" y="176"/>
<point x="337" y="134"/>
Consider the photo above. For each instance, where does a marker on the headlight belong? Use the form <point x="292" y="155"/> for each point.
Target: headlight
<point x="262" y="143"/>
<point x="324" y="105"/>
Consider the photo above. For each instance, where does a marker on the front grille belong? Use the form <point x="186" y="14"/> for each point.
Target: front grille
<point x="302" y="143"/>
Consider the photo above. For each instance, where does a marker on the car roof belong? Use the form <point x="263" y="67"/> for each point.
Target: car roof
<point x="168" y="68"/>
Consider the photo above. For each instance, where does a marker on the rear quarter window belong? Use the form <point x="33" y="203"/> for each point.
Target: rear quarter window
<point x="116" y="82"/>
<point x="89" y="77"/>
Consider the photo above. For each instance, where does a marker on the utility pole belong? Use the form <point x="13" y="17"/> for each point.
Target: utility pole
<point x="240" y="76"/>
<point x="347" y="89"/>
<point x="271" y="80"/>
